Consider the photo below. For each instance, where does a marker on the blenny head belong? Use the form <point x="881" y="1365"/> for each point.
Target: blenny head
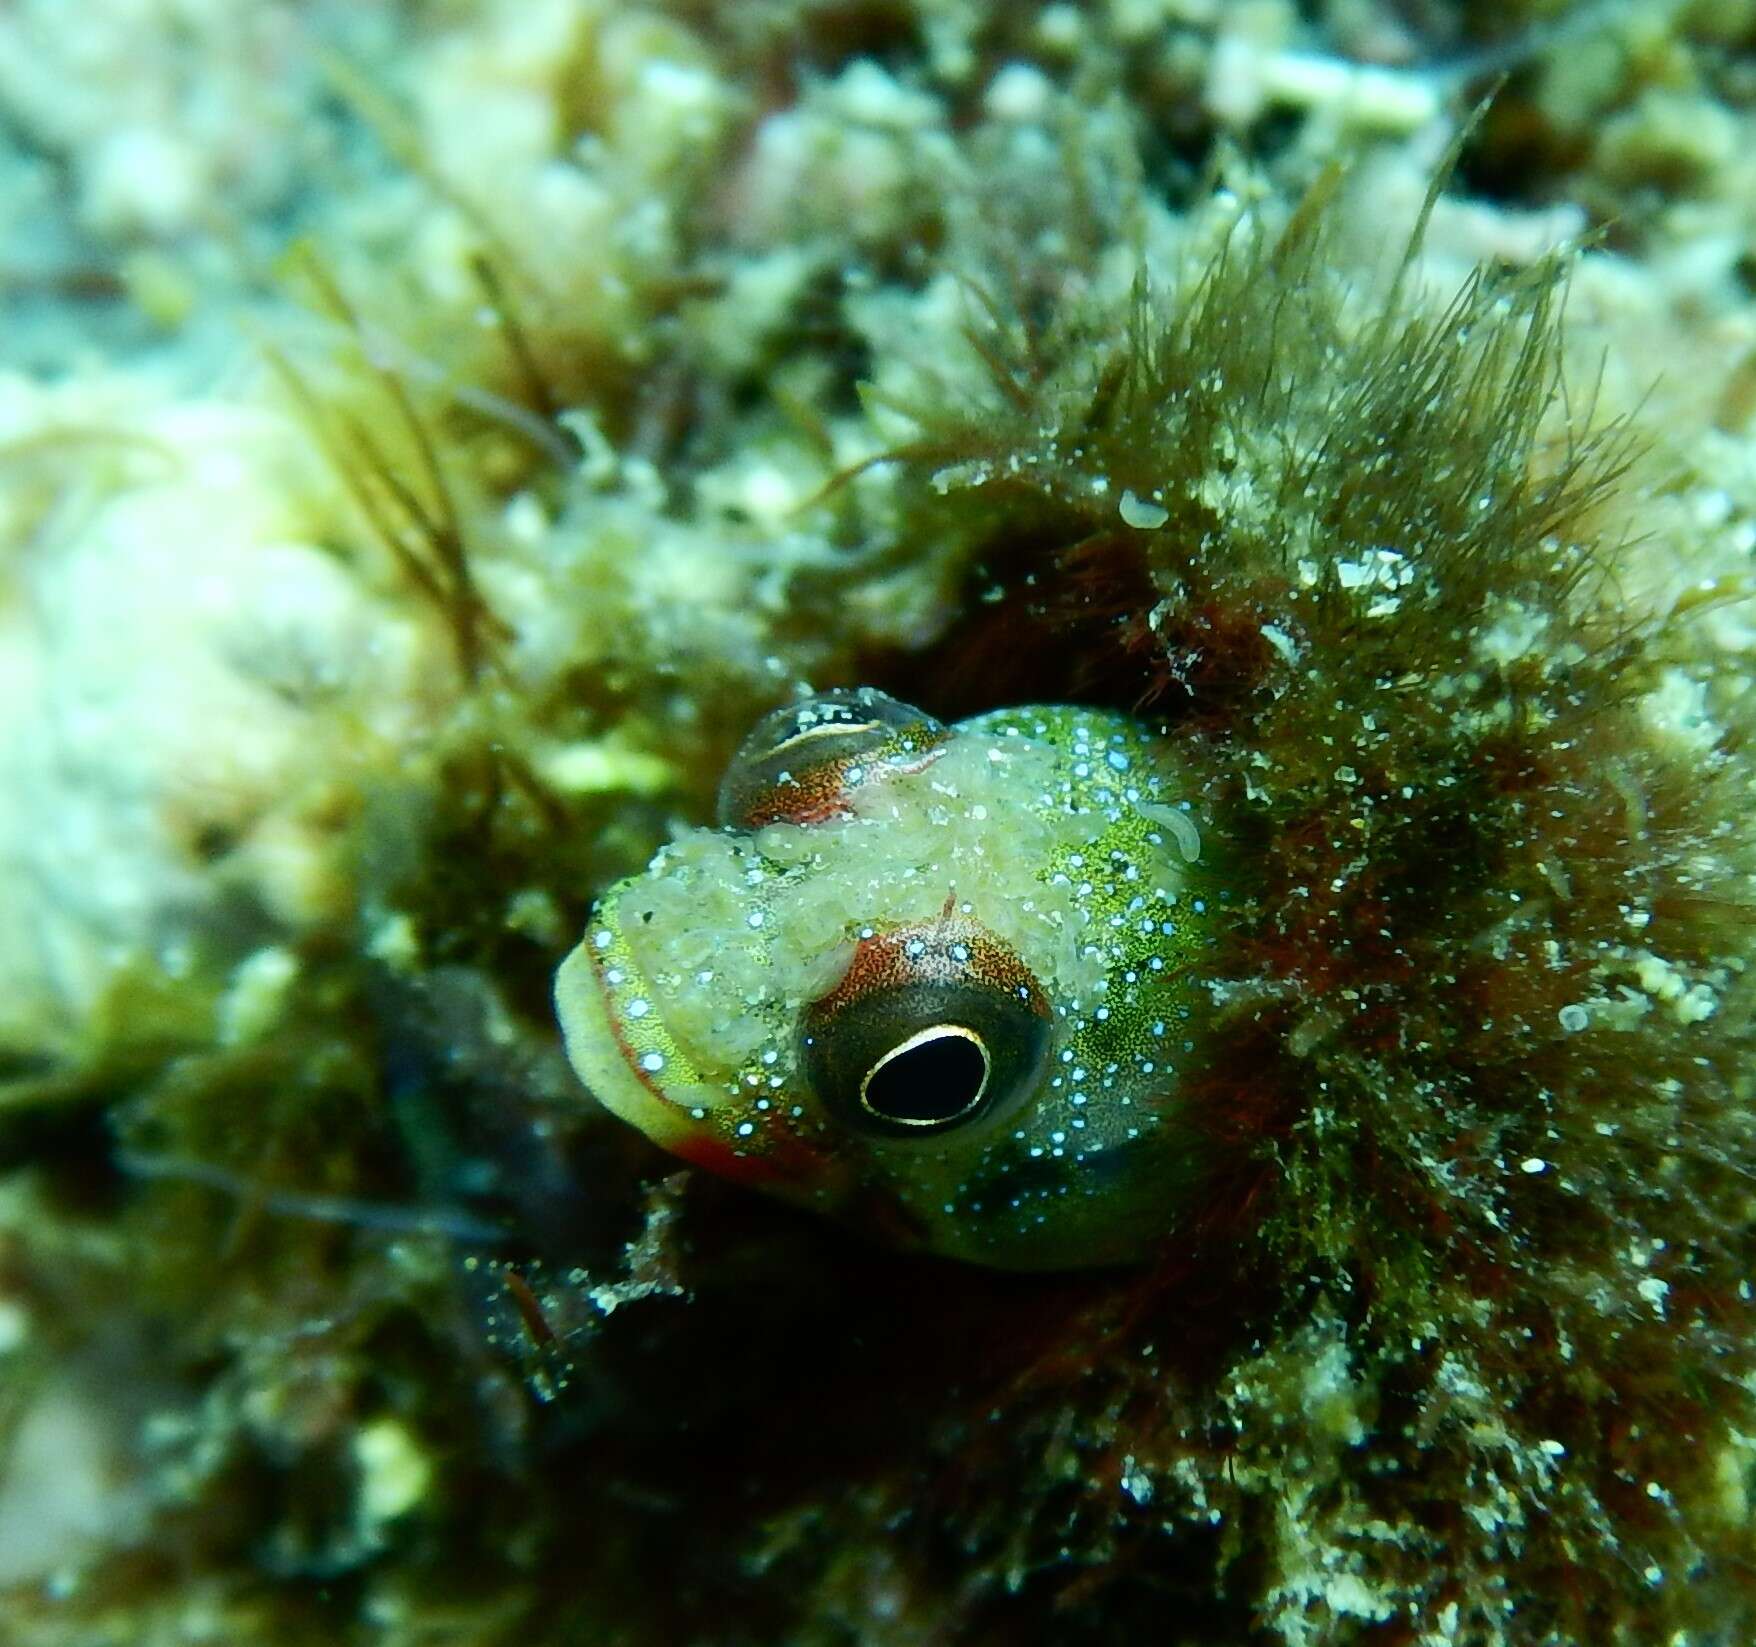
<point x="935" y="981"/>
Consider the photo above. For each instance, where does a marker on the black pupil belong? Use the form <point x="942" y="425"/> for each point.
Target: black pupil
<point x="933" y="1081"/>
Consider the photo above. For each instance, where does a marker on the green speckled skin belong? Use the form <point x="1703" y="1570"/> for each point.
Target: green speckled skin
<point x="1059" y="831"/>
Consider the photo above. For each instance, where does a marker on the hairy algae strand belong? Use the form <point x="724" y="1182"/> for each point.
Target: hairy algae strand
<point x="1482" y="1032"/>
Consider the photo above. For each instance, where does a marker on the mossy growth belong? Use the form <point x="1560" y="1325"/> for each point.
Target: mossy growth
<point x="1479" y="1367"/>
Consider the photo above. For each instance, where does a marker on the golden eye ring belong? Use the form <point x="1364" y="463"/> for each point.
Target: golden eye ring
<point x="942" y="1073"/>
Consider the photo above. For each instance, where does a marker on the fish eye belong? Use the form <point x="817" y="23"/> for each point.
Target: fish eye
<point x="930" y="1030"/>
<point x="936" y="1078"/>
<point x="801" y="761"/>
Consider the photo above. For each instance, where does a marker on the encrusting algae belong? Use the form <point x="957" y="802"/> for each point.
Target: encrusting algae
<point x="1011" y="417"/>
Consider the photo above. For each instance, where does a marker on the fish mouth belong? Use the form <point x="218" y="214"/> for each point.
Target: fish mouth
<point x="615" y="1068"/>
<point x="602" y="1055"/>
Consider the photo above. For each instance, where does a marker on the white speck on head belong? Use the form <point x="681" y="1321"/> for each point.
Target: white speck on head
<point x="1179" y="823"/>
<point x="1533" y="1164"/>
<point x="1141" y="513"/>
<point x="652" y="1062"/>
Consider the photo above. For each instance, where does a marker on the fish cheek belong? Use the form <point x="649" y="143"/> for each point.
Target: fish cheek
<point x="1017" y="1211"/>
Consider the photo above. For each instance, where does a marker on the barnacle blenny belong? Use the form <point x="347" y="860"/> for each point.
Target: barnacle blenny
<point x="936" y="981"/>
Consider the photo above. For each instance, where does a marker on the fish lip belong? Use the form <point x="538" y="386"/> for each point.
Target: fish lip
<point x="588" y="1019"/>
<point x="586" y="1009"/>
<point x="614" y="1021"/>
